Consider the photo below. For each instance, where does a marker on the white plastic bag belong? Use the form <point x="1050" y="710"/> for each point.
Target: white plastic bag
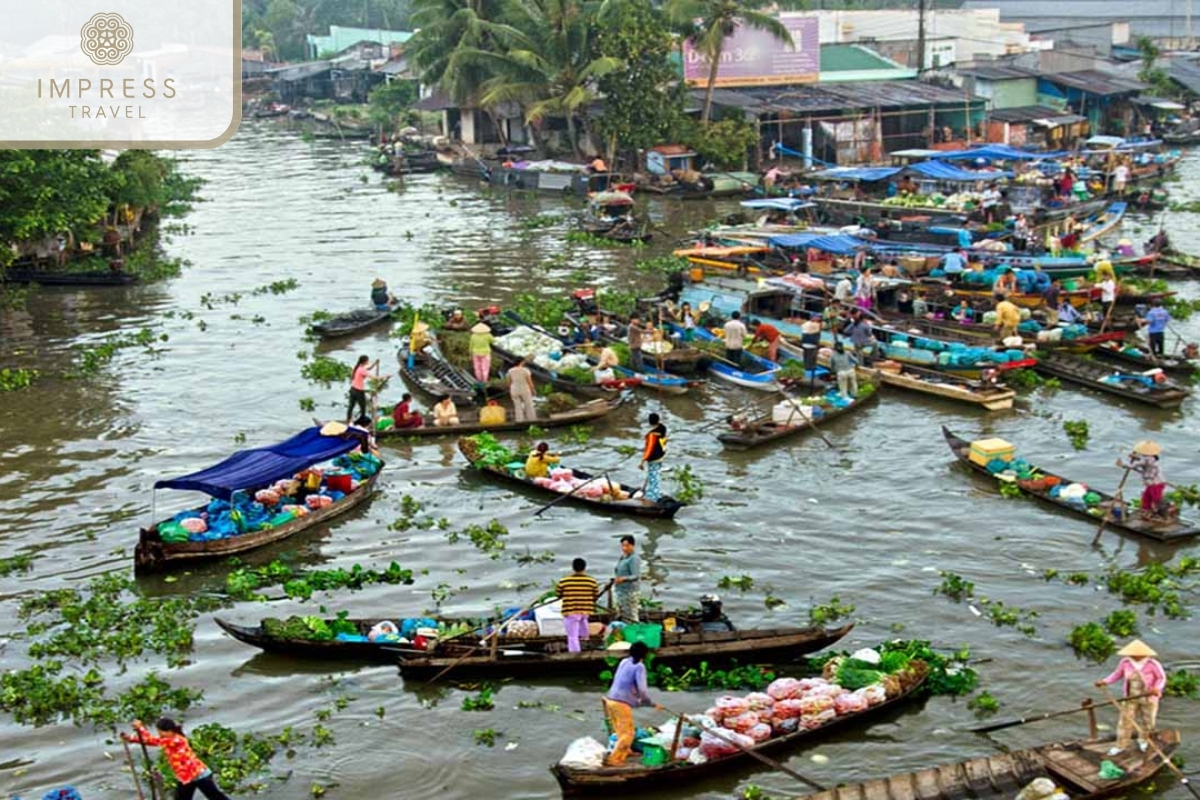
<point x="585" y="753"/>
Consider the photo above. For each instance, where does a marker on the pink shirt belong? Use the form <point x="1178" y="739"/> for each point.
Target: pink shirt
<point x="1152" y="675"/>
<point x="360" y="377"/>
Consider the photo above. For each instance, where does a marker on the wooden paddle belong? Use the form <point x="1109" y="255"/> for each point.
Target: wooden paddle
<point x="770" y="762"/>
<point x="1012" y="723"/>
<point x="1153" y="745"/>
<point x="156" y="787"/>
<point x="133" y="770"/>
<point x="1117" y="498"/>
<point x="809" y="421"/>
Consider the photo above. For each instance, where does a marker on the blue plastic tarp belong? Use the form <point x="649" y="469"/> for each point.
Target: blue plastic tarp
<point x="838" y="244"/>
<point x="778" y="203"/>
<point x="856" y="173"/>
<point x="999" y="152"/>
<point x="941" y="171"/>
<point x="249" y="469"/>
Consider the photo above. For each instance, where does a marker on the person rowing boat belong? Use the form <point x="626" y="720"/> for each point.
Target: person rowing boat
<point x="1144" y="460"/>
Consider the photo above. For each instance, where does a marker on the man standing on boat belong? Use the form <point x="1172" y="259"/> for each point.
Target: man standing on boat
<point x="635" y="337"/>
<point x="653" y="453"/>
<point x="770" y="335"/>
<point x="1156" y="321"/>
<point x="1008" y="317"/>
<point x="1142" y="674"/>
<point x="735" y="338"/>
<point x="627" y="578"/>
<point x="520" y="389"/>
<point x="578" y="592"/>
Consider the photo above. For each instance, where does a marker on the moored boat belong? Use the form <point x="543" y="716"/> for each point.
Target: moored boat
<point x="431" y="374"/>
<point x="1128" y="353"/>
<point x="66" y="278"/>
<point x="989" y="396"/>
<point x="1073" y="766"/>
<point x="1148" y="389"/>
<point x="766" y="429"/>
<point x="352" y="321"/>
<point x="1042" y="484"/>
<point x="753" y="372"/>
<point x="171" y="542"/>
<point x="605" y="495"/>
<point x="469" y="421"/>
<point x="610" y="215"/>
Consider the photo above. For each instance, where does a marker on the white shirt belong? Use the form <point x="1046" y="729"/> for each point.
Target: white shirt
<point x="990" y="198"/>
<point x="1121" y="173"/>
<point x="843" y="289"/>
<point x="735" y="334"/>
<point x="1108" y="290"/>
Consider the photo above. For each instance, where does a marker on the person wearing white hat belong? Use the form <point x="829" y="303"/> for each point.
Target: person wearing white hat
<point x="1144" y="461"/>
<point x="457" y="322"/>
<point x="1142" y="675"/>
<point x="480" y="348"/>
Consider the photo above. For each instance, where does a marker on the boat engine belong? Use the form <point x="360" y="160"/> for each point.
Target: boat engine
<point x="712" y="617"/>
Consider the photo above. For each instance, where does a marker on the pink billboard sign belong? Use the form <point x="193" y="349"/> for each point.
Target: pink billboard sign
<point x="752" y="57"/>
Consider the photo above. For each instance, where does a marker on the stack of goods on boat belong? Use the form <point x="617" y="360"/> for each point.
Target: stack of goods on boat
<point x="546" y="352"/>
<point x="420" y="632"/>
<point x="270" y="507"/>
<point x="848" y="686"/>
<point x="484" y="451"/>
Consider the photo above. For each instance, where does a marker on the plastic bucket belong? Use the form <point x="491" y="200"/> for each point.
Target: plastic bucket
<point x="339" y="482"/>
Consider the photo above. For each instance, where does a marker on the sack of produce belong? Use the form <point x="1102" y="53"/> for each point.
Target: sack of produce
<point x="760" y="732"/>
<point x="788" y="709"/>
<point x="714" y="746"/>
<point x="781" y="726"/>
<point x="783" y="688"/>
<point x="697" y="756"/>
<point x="172" y="533"/>
<point x="194" y="525"/>
<point x="731" y="706"/>
<point x="814" y="721"/>
<point x="875" y="694"/>
<point x="760" y="701"/>
<point x="268" y="497"/>
<point x="741" y="723"/>
<point x="585" y="753"/>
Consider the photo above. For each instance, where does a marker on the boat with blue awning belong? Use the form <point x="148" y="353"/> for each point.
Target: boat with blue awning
<point x="262" y="495"/>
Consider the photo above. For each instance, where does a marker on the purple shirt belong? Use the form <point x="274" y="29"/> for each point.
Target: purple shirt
<point x="629" y="685"/>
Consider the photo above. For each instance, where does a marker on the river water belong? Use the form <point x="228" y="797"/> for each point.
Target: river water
<point x="870" y="522"/>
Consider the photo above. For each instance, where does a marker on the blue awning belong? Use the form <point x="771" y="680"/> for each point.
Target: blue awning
<point x="251" y="469"/>
<point x="838" y="244"/>
<point x="856" y="173"/>
<point x="941" y="171"/>
<point x="999" y="152"/>
<point x="778" y="203"/>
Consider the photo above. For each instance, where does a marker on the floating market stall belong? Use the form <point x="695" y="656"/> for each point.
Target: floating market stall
<point x="260" y="496"/>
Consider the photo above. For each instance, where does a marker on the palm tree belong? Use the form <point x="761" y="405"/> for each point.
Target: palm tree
<point x="445" y="30"/>
<point x="548" y="63"/>
<point x="714" y="21"/>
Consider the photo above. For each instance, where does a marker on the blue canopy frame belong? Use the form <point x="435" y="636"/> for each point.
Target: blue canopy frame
<point x="247" y="469"/>
<point x="779" y="203"/>
<point x="941" y="171"/>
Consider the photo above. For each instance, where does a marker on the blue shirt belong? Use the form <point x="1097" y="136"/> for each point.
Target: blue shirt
<point x="629" y="685"/>
<point x="1157" y="319"/>
<point x="628" y="567"/>
<point x="953" y="263"/>
<point x="964" y="237"/>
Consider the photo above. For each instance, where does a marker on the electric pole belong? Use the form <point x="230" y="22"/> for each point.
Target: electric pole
<point x="920" y="36"/>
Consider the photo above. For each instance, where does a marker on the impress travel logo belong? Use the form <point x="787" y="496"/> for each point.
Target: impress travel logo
<point x="79" y="77"/>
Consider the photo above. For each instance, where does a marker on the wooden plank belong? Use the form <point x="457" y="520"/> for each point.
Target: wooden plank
<point x="901" y="787"/>
<point x="877" y="789"/>
<point x="1002" y="775"/>
<point x="952" y="779"/>
<point x="980" y="776"/>
<point x="1072" y="767"/>
<point x="852" y="792"/>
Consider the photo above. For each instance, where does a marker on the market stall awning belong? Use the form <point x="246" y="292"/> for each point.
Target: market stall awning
<point x="855" y="173"/>
<point x="941" y="171"/>
<point x="997" y="152"/>
<point x="259" y="466"/>
<point x="778" y="203"/>
<point x="838" y="244"/>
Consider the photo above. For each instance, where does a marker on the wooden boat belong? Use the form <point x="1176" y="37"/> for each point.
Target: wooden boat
<point x="1123" y="517"/>
<point x="546" y="655"/>
<point x="531" y="658"/>
<point x="681" y="360"/>
<point x="588" y="390"/>
<point x="848" y="211"/>
<point x="989" y="396"/>
<point x="250" y="469"/>
<point x="49" y="278"/>
<point x="434" y="377"/>
<point x="764" y="430"/>
<point x="610" y="215"/>
<point x="352" y="322"/>
<point x="1088" y="373"/>
<point x="1186" y="260"/>
<point x="617" y="781"/>
<point x="754" y="372"/>
<point x="1176" y="365"/>
<point x="469" y="421"/>
<point x="665" y="508"/>
<point x="1072" y="766"/>
<point x="1104" y="223"/>
<point x="979" y="335"/>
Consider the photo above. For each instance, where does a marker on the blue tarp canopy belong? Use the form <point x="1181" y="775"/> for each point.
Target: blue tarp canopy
<point x="778" y="203"/>
<point x="249" y="469"/>
<point x="998" y="152"/>
<point x="838" y="244"/>
<point x="941" y="171"/>
<point x="856" y="173"/>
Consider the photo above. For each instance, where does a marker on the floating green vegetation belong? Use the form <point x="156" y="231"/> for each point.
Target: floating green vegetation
<point x="243" y="583"/>
<point x="15" y="564"/>
<point x="325" y="370"/>
<point x="742" y="583"/>
<point x="589" y="238"/>
<point x="827" y="613"/>
<point x="1122" y="622"/>
<point x="1028" y="379"/>
<point x="576" y="434"/>
<point x="544" y="311"/>
<point x="1077" y="431"/>
<point x="484" y="736"/>
<point x="15" y="379"/>
<point x="488" y="539"/>
<point x="999" y="613"/>
<point x="983" y="704"/>
<point x="481" y="702"/>
<point x="1090" y="641"/>
<point x="955" y="586"/>
<point x="1181" y="683"/>
<point x="688" y="486"/>
<point x="1157" y="586"/>
<point x="662" y="265"/>
<point x="90" y="359"/>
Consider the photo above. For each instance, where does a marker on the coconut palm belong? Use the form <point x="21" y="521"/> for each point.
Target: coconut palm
<point x="445" y="30"/>
<point x="713" y="21"/>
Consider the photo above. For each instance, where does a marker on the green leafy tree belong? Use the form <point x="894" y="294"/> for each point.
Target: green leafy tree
<point x="716" y="21"/>
<point x="1150" y="73"/>
<point x="388" y="103"/>
<point x="725" y="143"/>
<point x="49" y="192"/>
<point x="448" y="30"/>
<point x="643" y="100"/>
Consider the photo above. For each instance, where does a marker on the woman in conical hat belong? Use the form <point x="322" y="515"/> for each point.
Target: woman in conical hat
<point x="1142" y="675"/>
<point x="1144" y="461"/>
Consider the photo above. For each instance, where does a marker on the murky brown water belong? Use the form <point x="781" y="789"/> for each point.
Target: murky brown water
<point x="871" y="523"/>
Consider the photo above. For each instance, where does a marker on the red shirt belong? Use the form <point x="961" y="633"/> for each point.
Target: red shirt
<point x="184" y="763"/>
<point x="768" y="333"/>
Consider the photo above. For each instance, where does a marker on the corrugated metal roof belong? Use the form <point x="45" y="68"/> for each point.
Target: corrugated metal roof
<point x="997" y="73"/>
<point x="1026" y="114"/>
<point x="836" y="97"/>
<point x="1185" y="73"/>
<point x="1095" y="82"/>
<point x="852" y="58"/>
<point x="298" y="72"/>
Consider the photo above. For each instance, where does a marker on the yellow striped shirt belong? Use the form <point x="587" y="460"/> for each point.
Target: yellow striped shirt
<point x="578" y="593"/>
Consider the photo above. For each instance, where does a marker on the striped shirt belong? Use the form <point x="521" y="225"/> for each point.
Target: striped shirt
<point x="578" y="592"/>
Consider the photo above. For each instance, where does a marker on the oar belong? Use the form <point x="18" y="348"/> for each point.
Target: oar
<point x="770" y="762"/>
<point x="592" y="479"/>
<point x="1012" y="723"/>
<point x="133" y="770"/>
<point x="1117" y="498"/>
<point x="809" y="421"/>
<point x="1153" y="745"/>
<point x="156" y="787"/>
<point x="495" y="634"/>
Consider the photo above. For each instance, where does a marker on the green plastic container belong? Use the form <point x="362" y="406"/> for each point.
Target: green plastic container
<point x="653" y="754"/>
<point x="648" y="633"/>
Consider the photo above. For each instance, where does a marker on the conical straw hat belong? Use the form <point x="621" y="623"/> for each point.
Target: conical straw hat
<point x="1147" y="448"/>
<point x="1137" y="649"/>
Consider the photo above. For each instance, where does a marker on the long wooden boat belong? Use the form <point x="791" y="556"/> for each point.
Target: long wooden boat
<point x="49" y="278"/>
<point x="1089" y="373"/>
<point x="764" y="646"/>
<point x="681" y="360"/>
<point x="665" y="508"/>
<point x="764" y="430"/>
<point x="990" y="397"/>
<point x="894" y="345"/>
<point x="984" y="336"/>
<point x="754" y="372"/>
<point x="616" y="781"/>
<point x="1175" y="365"/>
<point x="469" y="421"/>
<point x="352" y="322"/>
<point x="546" y="655"/>
<point x="847" y="211"/>
<point x="588" y="390"/>
<point x="433" y="376"/>
<point x="1074" y="767"/>
<point x="1124" y="518"/>
<point x="1105" y="222"/>
<point x="1186" y="260"/>
<point x="152" y="554"/>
